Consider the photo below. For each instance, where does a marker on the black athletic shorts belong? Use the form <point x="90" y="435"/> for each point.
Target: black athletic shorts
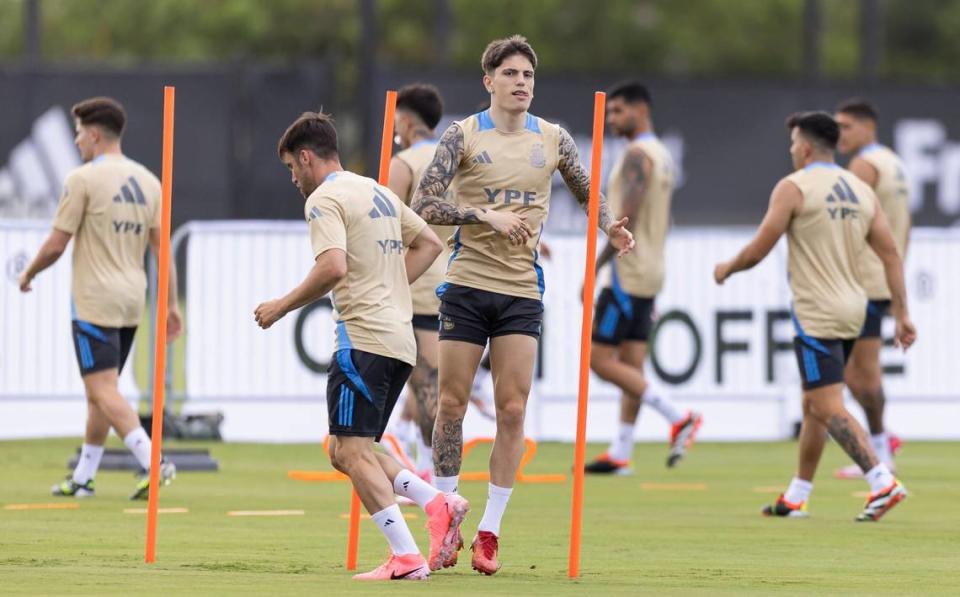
<point x="473" y="315"/>
<point x="821" y="361"/>
<point x="99" y="348"/>
<point x="362" y="389"/>
<point x="876" y="310"/>
<point x="619" y="317"/>
<point x="426" y="322"/>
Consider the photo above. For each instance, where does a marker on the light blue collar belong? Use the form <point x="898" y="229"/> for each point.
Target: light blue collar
<point x="813" y="165"/>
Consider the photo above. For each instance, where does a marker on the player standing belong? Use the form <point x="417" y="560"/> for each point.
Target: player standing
<point x="419" y="108"/>
<point x="368" y="246"/>
<point x="828" y="215"/>
<point x="501" y="162"/>
<point x="640" y="188"/>
<point x="111" y="204"/>
<point x="882" y="169"/>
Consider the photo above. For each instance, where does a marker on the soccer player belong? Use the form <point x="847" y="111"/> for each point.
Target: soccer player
<point x="419" y="108"/>
<point x="882" y="169"/>
<point x="501" y="162"/>
<point x="640" y="188"/>
<point x="111" y="204"/>
<point x="828" y="215"/>
<point x="367" y="246"/>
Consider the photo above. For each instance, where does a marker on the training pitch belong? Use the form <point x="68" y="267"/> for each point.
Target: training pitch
<point x="693" y="530"/>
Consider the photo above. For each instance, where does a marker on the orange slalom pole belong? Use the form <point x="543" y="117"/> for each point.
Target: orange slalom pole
<point x="593" y="217"/>
<point x="386" y="149"/>
<point x="160" y="348"/>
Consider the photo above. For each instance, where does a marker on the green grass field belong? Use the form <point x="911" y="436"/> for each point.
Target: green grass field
<point x="693" y="530"/>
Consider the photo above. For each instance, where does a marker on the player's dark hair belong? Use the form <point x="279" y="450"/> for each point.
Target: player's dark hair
<point x="423" y="100"/>
<point x="632" y="92"/>
<point x="313" y="131"/>
<point x="858" y="108"/>
<point x="105" y="112"/>
<point x="818" y="127"/>
<point x="500" y="49"/>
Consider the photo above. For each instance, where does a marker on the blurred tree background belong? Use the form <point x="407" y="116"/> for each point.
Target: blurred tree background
<point x="917" y="39"/>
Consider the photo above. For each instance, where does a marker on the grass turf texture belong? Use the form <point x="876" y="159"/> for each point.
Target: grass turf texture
<point x="674" y="539"/>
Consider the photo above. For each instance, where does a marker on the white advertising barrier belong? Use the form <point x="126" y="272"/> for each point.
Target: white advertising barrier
<point x="723" y="350"/>
<point x="41" y="394"/>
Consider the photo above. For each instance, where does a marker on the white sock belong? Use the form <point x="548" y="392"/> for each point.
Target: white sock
<point x="395" y="529"/>
<point x="138" y="442"/>
<point x="655" y="399"/>
<point x="411" y="486"/>
<point x="447" y="484"/>
<point x="622" y="446"/>
<point x="798" y="491"/>
<point x="497" y="498"/>
<point x="879" y="478"/>
<point x="424" y="456"/>
<point x="881" y="445"/>
<point x="88" y="463"/>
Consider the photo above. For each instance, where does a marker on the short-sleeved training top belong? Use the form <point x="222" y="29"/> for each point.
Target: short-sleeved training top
<point x="503" y="172"/>
<point x="109" y="206"/>
<point x="424" y="290"/>
<point x="640" y="272"/>
<point x="825" y="241"/>
<point x="373" y="227"/>
<point x="893" y="193"/>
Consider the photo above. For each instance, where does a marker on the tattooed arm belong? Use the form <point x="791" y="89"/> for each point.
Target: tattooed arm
<point x="578" y="181"/>
<point x="432" y="205"/>
<point x="633" y="175"/>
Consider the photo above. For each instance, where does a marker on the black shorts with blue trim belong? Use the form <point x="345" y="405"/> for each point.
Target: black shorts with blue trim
<point x="100" y="348"/>
<point x="876" y="310"/>
<point x="619" y="317"/>
<point x="821" y="361"/>
<point x="474" y="315"/>
<point x="362" y="389"/>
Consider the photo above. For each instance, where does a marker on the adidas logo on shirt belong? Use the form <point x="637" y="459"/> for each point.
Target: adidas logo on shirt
<point x="483" y="158"/>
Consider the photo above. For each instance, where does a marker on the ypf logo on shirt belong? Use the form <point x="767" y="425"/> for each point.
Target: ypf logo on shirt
<point x="537" y="158"/>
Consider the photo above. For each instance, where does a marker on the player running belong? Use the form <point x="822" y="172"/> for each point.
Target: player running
<point x="882" y="169"/>
<point x="419" y="108"/>
<point x="111" y="204"/>
<point x="500" y="162"/>
<point x="368" y="246"/>
<point x="828" y="215"/>
<point x="640" y="188"/>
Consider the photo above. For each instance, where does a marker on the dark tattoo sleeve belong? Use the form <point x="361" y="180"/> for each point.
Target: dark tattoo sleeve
<point x="578" y="179"/>
<point x="853" y="444"/>
<point x="423" y="382"/>
<point x="634" y="181"/>
<point x="448" y="447"/>
<point x="430" y="201"/>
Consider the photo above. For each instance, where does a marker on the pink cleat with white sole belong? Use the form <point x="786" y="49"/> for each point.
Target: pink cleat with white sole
<point x="410" y="566"/>
<point x="446" y="513"/>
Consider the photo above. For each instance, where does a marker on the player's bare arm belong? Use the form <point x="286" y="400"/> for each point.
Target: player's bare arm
<point x="400" y="179"/>
<point x="633" y="176"/>
<point x="577" y="180"/>
<point x="174" y="319"/>
<point x="785" y="200"/>
<point x="421" y="253"/>
<point x="431" y="204"/>
<point x="329" y="268"/>
<point x="49" y="252"/>
<point x="881" y="241"/>
<point x="865" y="171"/>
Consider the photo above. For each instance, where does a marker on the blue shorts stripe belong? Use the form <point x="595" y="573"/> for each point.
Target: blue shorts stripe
<point x="342" y="406"/>
<point x="810" y="365"/>
<point x="86" y="354"/>
<point x="346" y="365"/>
<point x="351" y="400"/>
<point x="92" y="330"/>
<point x="608" y="324"/>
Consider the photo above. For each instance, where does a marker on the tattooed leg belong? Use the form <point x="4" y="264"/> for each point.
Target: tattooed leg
<point x="458" y="362"/>
<point x="826" y="406"/>
<point x="423" y="383"/>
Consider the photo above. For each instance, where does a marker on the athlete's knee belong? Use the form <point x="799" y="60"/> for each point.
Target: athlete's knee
<point x="347" y="456"/>
<point x="600" y="363"/>
<point x="511" y="414"/>
<point x="454" y="398"/>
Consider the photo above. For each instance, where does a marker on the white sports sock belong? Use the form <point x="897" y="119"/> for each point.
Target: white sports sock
<point x="657" y="400"/>
<point x="447" y="484"/>
<point x="138" y="442"/>
<point x="798" y="491"/>
<point x="621" y="448"/>
<point x="424" y="456"/>
<point x="395" y="529"/>
<point x="881" y="445"/>
<point x="411" y="486"/>
<point x="497" y="498"/>
<point x="879" y="478"/>
<point x="88" y="463"/>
